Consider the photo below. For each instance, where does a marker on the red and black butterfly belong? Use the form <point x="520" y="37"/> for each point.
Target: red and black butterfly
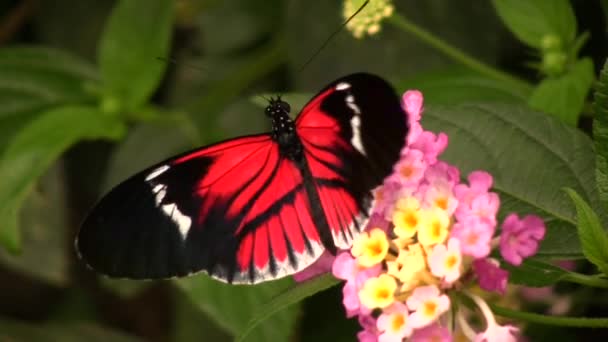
<point x="258" y="207"/>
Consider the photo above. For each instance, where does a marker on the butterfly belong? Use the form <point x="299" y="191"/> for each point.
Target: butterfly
<point x="258" y="207"/>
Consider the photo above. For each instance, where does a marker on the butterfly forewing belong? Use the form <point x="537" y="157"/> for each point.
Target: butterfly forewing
<point x="254" y="208"/>
<point x="236" y="210"/>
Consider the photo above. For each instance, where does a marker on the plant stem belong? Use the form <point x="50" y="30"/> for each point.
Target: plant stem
<point x="454" y="53"/>
<point x="593" y="281"/>
<point x="580" y="322"/>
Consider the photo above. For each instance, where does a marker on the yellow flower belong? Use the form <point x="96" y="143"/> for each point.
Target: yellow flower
<point x="370" y="248"/>
<point x="368" y="20"/>
<point x="378" y="292"/>
<point x="402" y="243"/>
<point x="434" y="227"/>
<point x="407" y="217"/>
<point x="413" y="266"/>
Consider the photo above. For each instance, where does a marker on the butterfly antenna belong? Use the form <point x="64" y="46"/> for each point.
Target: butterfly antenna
<point x="174" y="61"/>
<point x="331" y="36"/>
<point x="265" y="98"/>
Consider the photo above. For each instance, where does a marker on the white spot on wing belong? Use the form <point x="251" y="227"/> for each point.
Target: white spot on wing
<point x="156" y="172"/>
<point x="158" y="188"/>
<point x="342" y="86"/>
<point x="182" y="221"/>
<point x="350" y="103"/>
<point x="355" y="124"/>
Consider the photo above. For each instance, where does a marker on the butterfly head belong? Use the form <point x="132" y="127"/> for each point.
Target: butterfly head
<point x="277" y="107"/>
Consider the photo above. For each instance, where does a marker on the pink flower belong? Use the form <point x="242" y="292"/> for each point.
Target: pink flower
<point x="439" y="194"/>
<point x="485" y="206"/>
<point x="491" y="276"/>
<point x="443" y="172"/>
<point x="445" y="262"/>
<point x="345" y="267"/>
<point x="394" y="324"/>
<point x="385" y="196"/>
<point x="367" y="336"/>
<point x="498" y="333"/>
<point x="321" y="266"/>
<point x="369" y="332"/>
<point x="431" y="145"/>
<point x="427" y="304"/>
<point x="432" y="333"/>
<point x="519" y="238"/>
<point x="378" y="221"/>
<point x="409" y="170"/>
<point x="475" y="236"/>
<point x="480" y="182"/>
<point x="412" y="104"/>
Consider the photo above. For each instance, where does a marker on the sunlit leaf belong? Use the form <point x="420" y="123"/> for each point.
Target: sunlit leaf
<point x="132" y="50"/>
<point x="564" y="96"/>
<point x="600" y="136"/>
<point x="593" y="238"/>
<point x="531" y="21"/>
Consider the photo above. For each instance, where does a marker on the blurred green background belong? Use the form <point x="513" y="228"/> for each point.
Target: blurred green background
<point x="133" y="109"/>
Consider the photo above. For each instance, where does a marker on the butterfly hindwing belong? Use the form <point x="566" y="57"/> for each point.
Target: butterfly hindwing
<point x="352" y="132"/>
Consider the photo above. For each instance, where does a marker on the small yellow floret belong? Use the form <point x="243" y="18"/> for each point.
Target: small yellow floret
<point x="434" y="227"/>
<point x="378" y="292"/>
<point x="406" y="217"/>
<point x="370" y="248"/>
<point x="369" y="19"/>
<point x="413" y="265"/>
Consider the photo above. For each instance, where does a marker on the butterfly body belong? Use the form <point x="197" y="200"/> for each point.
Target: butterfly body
<point x="258" y="207"/>
<point x="284" y="130"/>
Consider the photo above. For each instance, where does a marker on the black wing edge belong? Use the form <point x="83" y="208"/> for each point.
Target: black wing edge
<point x="135" y="232"/>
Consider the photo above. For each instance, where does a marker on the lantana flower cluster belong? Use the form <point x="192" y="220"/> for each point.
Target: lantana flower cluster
<point x="368" y="21"/>
<point x="430" y="237"/>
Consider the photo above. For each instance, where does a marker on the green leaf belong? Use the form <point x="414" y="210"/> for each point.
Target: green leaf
<point x="191" y="324"/>
<point x="531" y="157"/>
<point x="535" y="273"/>
<point x="593" y="237"/>
<point x="564" y="96"/>
<point x="125" y="288"/>
<point x="134" y="42"/>
<point x="45" y="225"/>
<point x="34" y="78"/>
<point x="11" y="330"/>
<point x="233" y="306"/>
<point x="531" y="21"/>
<point x="458" y="85"/>
<point x="35" y="148"/>
<point x="291" y="296"/>
<point x="600" y="135"/>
